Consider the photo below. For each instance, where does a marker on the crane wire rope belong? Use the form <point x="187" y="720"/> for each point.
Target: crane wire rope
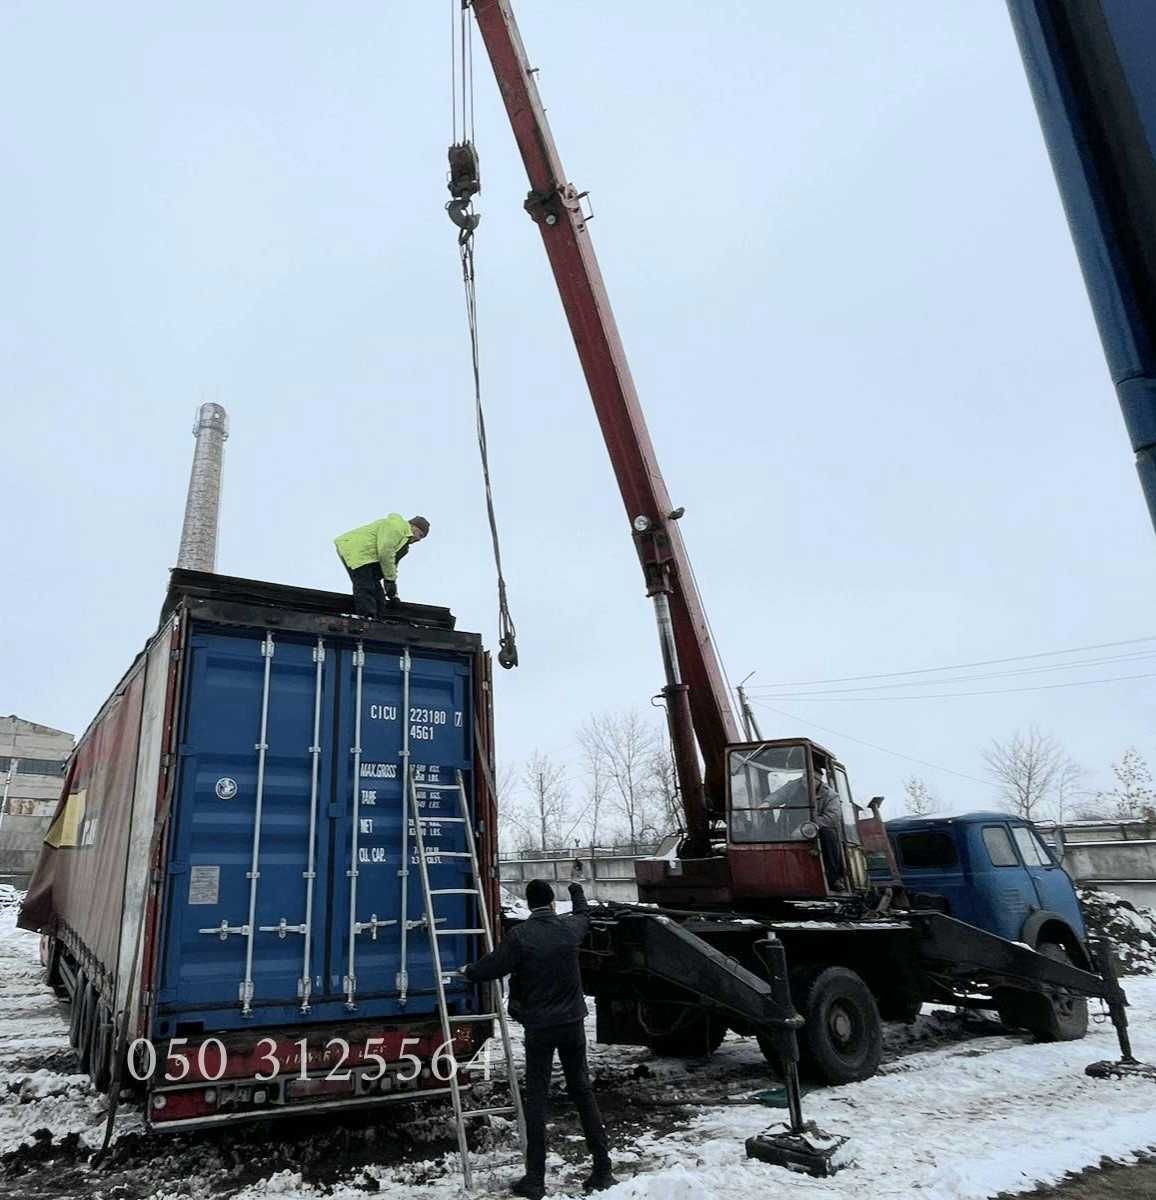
<point x="464" y="184"/>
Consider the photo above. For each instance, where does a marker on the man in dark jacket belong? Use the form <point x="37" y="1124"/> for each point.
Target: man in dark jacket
<point x="541" y="955"/>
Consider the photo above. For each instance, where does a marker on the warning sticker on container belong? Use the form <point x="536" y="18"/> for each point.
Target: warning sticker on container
<point x="204" y="884"/>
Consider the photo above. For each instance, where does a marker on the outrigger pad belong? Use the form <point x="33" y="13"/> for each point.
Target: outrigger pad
<point x="810" y="1151"/>
<point x="1122" y="1069"/>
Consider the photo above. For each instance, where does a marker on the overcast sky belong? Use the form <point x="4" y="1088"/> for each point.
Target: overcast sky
<point x="841" y="271"/>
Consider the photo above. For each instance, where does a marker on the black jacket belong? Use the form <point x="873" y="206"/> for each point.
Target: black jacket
<point x="541" y="955"/>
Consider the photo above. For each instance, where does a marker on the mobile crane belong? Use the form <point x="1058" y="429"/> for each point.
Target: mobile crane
<point x="749" y="869"/>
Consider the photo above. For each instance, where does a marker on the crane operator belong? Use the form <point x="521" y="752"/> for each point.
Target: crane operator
<point x="829" y="818"/>
<point x="371" y="554"/>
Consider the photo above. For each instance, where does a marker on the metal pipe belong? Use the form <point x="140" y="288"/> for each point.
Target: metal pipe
<point x="310" y="872"/>
<point x="351" y="975"/>
<point x="403" y="870"/>
<point x="254" y="866"/>
<point x="682" y="739"/>
<point x="198" y="549"/>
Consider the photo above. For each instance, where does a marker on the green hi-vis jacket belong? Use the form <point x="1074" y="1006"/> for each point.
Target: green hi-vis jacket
<point x="379" y="541"/>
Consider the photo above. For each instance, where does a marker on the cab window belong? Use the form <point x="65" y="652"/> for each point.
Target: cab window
<point x="930" y="850"/>
<point x="999" y="846"/>
<point x="769" y="793"/>
<point x="1031" y="848"/>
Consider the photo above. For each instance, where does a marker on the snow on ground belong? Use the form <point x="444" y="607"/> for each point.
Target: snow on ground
<point x="961" y="1110"/>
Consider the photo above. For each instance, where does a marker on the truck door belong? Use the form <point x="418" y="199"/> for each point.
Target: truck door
<point x="1054" y="889"/>
<point x="1003" y="888"/>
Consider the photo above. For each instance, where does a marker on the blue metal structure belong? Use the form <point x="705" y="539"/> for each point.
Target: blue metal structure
<point x="245" y="794"/>
<point x="1091" y="65"/>
<point x="991" y="868"/>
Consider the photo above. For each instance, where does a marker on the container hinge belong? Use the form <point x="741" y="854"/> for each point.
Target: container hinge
<point x="373" y="925"/>
<point x="224" y="929"/>
<point x="281" y="928"/>
<point x="166" y="760"/>
<point x="267" y="646"/>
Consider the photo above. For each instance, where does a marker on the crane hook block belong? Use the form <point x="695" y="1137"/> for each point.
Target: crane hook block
<point x="465" y="173"/>
<point x="508" y="654"/>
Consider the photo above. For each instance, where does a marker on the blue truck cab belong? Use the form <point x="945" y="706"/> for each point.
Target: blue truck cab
<point x="994" y="871"/>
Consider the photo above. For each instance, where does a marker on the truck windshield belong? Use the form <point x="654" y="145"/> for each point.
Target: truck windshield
<point x="770" y="799"/>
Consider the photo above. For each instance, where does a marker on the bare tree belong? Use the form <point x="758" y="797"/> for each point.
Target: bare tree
<point x="626" y="744"/>
<point x="597" y="778"/>
<point x="1025" y="769"/>
<point x="1070" y="789"/>
<point x="663" y="782"/>
<point x="919" y="798"/>
<point x="548" y="795"/>
<point x="1133" y="795"/>
<point x="510" y="820"/>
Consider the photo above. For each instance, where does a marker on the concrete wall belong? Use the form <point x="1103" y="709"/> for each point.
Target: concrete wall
<point x="31" y="795"/>
<point x="606" y="876"/>
<point x="1118" y="856"/>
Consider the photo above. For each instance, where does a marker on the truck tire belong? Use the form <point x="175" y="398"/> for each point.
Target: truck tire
<point x="87" y="1004"/>
<point x="842" y="1038"/>
<point x="1064" y="1019"/>
<point x="674" y="1031"/>
<point x="100" y="1048"/>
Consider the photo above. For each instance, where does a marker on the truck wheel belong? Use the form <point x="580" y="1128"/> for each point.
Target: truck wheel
<point x="842" y="1039"/>
<point x="677" y="1032"/>
<point x="1064" y="1019"/>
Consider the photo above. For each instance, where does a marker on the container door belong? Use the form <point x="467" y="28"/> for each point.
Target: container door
<point x="372" y="959"/>
<point x="218" y="970"/>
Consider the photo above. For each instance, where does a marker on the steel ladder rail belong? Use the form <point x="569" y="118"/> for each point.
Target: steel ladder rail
<point x="461" y="1115"/>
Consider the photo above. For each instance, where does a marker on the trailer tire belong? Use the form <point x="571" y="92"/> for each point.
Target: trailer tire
<point x="86" y="1033"/>
<point x="100" y="1048"/>
<point x="1061" y="1020"/>
<point x="76" y="1011"/>
<point x="842" y="1037"/>
<point x="685" y="1032"/>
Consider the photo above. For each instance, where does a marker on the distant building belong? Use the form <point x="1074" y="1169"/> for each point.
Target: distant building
<point x="33" y="759"/>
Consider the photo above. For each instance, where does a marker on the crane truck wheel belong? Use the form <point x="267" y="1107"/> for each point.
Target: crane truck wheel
<point x="842" y="1037"/>
<point x="675" y="1031"/>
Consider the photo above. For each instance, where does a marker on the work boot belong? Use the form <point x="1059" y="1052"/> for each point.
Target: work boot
<point x="527" y="1188"/>
<point x="599" y="1181"/>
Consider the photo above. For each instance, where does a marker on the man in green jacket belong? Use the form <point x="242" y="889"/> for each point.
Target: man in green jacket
<point x="371" y="553"/>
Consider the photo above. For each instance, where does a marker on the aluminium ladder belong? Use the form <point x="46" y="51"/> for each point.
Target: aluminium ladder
<point x="461" y="1115"/>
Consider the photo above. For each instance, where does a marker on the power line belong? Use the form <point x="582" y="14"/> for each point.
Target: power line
<point x="987" y="662"/>
<point x="1014" y="674"/>
<point x="1043" y="687"/>
<point x="871" y="745"/>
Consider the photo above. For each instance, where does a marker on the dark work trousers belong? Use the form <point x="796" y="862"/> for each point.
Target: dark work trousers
<point x="368" y="598"/>
<point x="570" y="1042"/>
<point x="832" y="858"/>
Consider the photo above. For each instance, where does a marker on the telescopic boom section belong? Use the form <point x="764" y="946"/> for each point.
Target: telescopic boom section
<point x="695" y="693"/>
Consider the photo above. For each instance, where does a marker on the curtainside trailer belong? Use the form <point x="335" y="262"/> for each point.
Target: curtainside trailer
<point x="229" y="890"/>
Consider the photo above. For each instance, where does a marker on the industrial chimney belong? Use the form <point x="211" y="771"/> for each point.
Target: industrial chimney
<point x="202" y="507"/>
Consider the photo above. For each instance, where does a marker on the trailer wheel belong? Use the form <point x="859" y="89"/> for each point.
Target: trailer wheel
<point x="1064" y="1019"/>
<point x="76" y="1011"/>
<point x="85" y="1033"/>
<point x="676" y="1031"/>
<point x="100" y="1048"/>
<point x="842" y="1038"/>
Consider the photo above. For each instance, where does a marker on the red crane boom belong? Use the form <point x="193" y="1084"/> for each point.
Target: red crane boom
<point x="697" y="701"/>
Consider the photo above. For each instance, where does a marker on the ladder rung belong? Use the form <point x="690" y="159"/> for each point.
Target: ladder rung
<point x="441" y="854"/>
<point x="453" y="891"/>
<point x="475" y="1017"/>
<point x="436" y="787"/>
<point x="451" y="932"/>
<point x="443" y="820"/>
<point x="487" y="1112"/>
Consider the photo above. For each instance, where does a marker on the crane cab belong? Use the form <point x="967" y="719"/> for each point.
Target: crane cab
<point x="791" y="824"/>
<point x="789" y="831"/>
